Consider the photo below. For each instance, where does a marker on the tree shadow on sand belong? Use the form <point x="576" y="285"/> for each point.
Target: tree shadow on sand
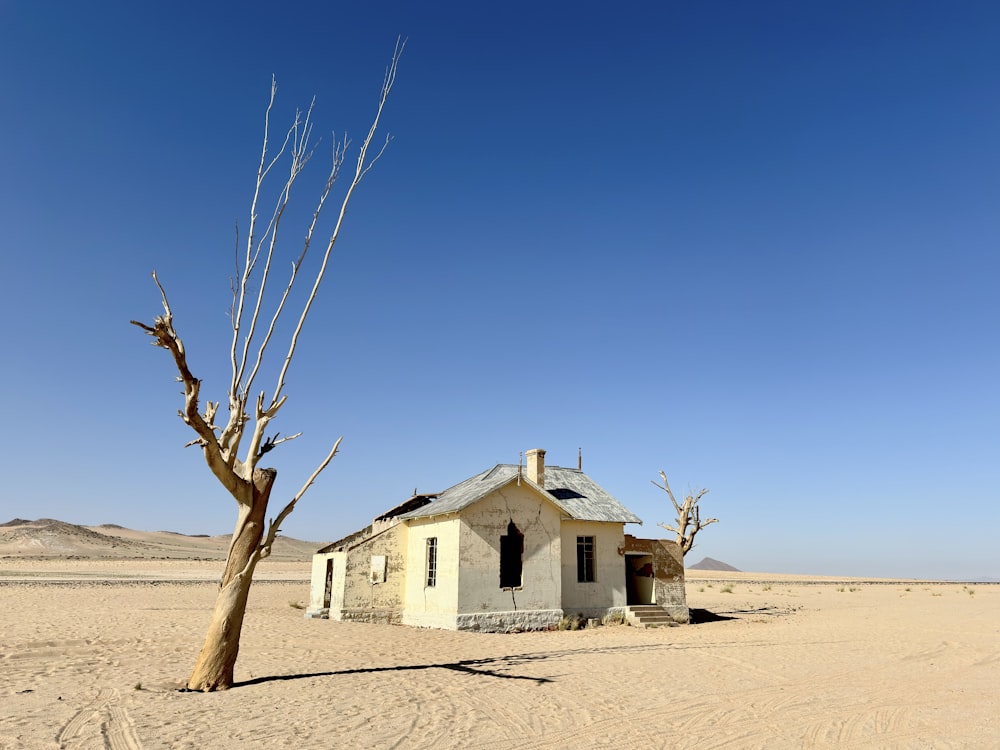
<point x="467" y="666"/>
<point x="498" y="666"/>
<point x="486" y="667"/>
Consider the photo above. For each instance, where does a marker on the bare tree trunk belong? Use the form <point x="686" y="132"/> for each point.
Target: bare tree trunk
<point x="217" y="659"/>
<point x="249" y="417"/>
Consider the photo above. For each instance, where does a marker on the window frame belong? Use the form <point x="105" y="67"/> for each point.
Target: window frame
<point x="431" y="562"/>
<point x="586" y="549"/>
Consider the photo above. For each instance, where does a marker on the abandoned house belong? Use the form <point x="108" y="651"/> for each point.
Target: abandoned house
<point x="512" y="548"/>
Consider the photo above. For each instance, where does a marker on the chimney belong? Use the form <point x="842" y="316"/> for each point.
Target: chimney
<point x="536" y="466"/>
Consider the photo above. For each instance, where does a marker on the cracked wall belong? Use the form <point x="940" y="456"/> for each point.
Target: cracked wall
<point x="540" y="591"/>
<point x="355" y="593"/>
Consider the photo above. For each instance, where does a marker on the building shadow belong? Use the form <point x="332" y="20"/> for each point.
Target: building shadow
<point x="700" y="616"/>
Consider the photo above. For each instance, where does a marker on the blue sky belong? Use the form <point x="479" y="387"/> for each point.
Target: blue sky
<point x="751" y="244"/>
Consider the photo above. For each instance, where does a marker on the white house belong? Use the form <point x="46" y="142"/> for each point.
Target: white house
<point x="510" y="548"/>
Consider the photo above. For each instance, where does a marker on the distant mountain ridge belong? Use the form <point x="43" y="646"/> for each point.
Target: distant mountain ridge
<point x="50" y="538"/>
<point x="709" y="563"/>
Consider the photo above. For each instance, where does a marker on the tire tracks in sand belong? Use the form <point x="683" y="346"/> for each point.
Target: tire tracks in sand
<point x="104" y="719"/>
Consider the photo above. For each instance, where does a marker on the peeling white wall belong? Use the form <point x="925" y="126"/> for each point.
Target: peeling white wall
<point x="432" y="606"/>
<point x="607" y="591"/>
<point x="355" y="594"/>
<point x="482" y="526"/>
<point x="317" y="581"/>
<point x="365" y="598"/>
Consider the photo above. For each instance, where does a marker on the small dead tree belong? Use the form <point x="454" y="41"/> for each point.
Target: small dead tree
<point x="254" y="318"/>
<point x="689" y="521"/>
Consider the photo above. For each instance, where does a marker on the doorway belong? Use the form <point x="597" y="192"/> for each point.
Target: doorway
<point x="328" y="586"/>
<point x="639" y="579"/>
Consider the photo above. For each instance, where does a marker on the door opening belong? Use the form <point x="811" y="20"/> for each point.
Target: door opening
<point x="639" y="578"/>
<point x="328" y="587"/>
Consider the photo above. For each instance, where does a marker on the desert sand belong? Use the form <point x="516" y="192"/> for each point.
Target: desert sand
<point x="93" y="652"/>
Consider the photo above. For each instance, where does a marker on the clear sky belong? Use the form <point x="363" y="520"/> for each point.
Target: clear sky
<point x="754" y="245"/>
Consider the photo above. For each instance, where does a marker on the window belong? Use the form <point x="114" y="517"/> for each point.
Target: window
<point x="585" y="559"/>
<point x="511" y="549"/>
<point x="378" y="569"/>
<point x="432" y="561"/>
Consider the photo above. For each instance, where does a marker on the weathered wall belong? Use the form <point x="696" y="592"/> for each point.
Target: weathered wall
<point x="317" y="585"/>
<point x="432" y="606"/>
<point x="607" y="591"/>
<point x="668" y="573"/>
<point x="537" y="602"/>
<point x="356" y="596"/>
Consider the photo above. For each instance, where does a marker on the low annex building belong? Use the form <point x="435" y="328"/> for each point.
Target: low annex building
<point x="511" y="548"/>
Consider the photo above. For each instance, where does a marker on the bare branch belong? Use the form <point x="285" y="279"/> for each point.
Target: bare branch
<point x="666" y="487"/>
<point x="337" y="163"/>
<point x="390" y="78"/>
<point x="300" y="157"/>
<point x="270" y="443"/>
<point x="166" y="337"/>
<point x="240" y="297"/>
<point x="275" y="524"/>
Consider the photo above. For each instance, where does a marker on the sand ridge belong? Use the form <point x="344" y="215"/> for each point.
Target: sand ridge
<point x="51" y="539"/>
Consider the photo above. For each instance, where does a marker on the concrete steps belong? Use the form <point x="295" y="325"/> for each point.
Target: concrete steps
<point x="648" y="616"/>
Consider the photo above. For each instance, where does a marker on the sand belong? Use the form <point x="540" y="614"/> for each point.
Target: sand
<point x="92" y="654"/>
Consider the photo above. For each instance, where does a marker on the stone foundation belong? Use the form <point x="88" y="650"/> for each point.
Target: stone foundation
<point x="597" y="613"/>
<point x="388" y="616"/>
<point x="510" y="622"/>
<point x="680" y="613"/>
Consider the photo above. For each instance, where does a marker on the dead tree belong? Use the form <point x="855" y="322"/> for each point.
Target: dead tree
<point x="234" y="448"/>
<point x="689" y="521"/>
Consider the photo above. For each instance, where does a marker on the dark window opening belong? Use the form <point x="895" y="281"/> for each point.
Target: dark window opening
<point x="585" y="559"/>
<point x="564" y="493"/>
<point x="511" y="551"/>
<point x="432" y="561"/>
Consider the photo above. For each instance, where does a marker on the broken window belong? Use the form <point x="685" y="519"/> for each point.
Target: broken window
<point x="511" y="550"/>
<point x="585" y="559"/>
<point x="432" y="561"/>
<point x="378" y="569"/>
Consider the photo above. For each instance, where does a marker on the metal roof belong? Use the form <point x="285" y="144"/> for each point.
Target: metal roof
<point x="579" y="496"/>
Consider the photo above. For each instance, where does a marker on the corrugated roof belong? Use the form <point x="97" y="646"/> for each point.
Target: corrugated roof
<point x="570" y="489"/>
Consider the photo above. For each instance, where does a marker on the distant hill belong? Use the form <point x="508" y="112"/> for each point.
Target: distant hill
<point x="49" y="538"/>
<point x="709" y="564"/>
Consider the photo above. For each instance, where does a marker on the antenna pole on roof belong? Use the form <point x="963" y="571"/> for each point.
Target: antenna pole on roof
<point x="520" y="461"/>
<point x="579" y="459"/>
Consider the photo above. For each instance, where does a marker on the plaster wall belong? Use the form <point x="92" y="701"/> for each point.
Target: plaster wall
<point x="432" y="606"/>
<point x="357" y="594"/>
<point x="317" y="583"/>
<point x="479" y="592"/>
<point x="668" y="573"/>
<point x="607" y="591"/>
